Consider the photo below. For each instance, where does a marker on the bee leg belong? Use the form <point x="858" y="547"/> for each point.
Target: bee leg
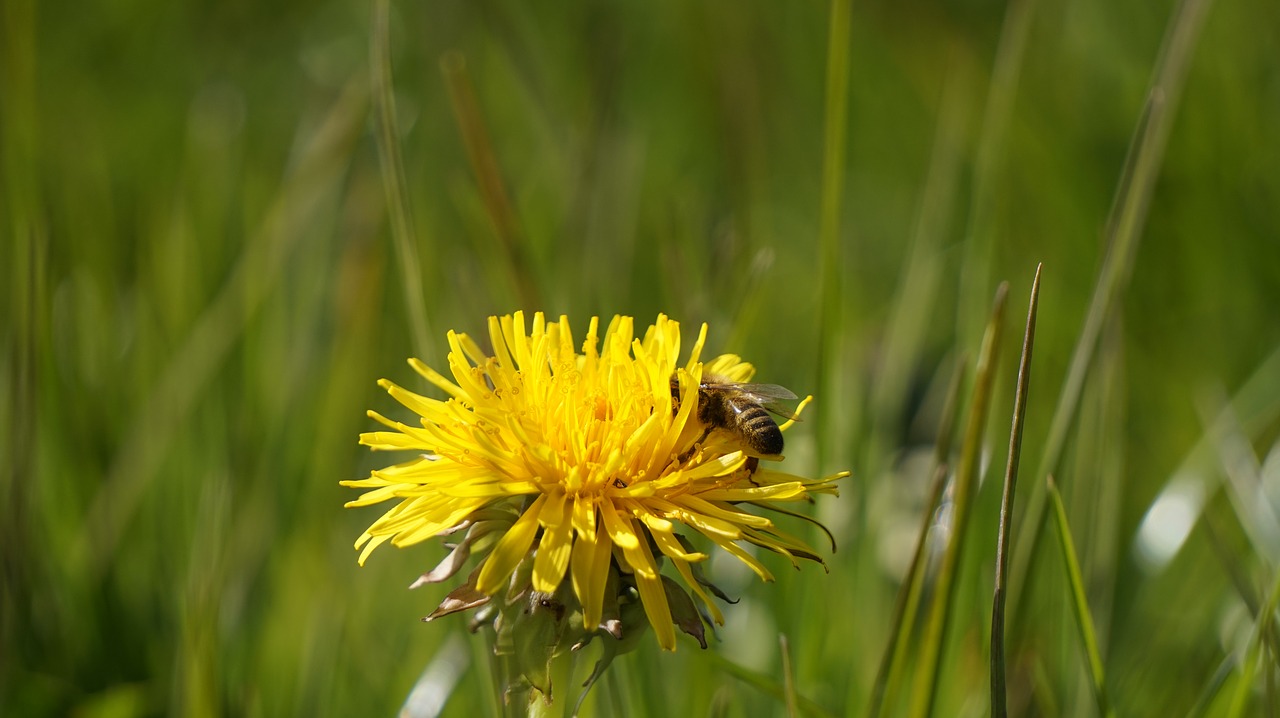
<point x="750" y="467"/>
<point x="694" y="447"/>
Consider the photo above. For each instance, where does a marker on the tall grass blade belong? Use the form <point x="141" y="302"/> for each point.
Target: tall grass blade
<point x="387" y="138"/>
<point x="1124" y="230"/>
<point x="493" y="190"/>
<point x="24" y="249"/>
<point x="966" y="482"/>
<point x="788" y="679"/>
<point x="835" y="123"/>
<point x="906" y="608"/>
<point x="998" y="706"/>
<point x="1079" y="604"/>
<point x="1213" y="687"/>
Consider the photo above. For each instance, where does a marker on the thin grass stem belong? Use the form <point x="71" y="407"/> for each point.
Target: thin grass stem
<point x="1079" y="603"/>
<point x="998" y="704"/>
<point x="788" y="679"/>
<point x="391" y="164"/>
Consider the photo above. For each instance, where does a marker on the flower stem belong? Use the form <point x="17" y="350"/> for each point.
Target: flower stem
<point x="556" y="703"/>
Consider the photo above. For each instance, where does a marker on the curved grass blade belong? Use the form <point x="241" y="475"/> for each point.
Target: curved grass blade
<point x="998" y="707"/>
<point x="966" y="481"/>
<point x="1079" y="604"/>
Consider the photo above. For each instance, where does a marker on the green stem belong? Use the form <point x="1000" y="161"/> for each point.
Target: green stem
<point x="556" y="703"/>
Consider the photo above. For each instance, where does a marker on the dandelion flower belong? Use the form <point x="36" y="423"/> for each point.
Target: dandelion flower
<point x="577" y="475"/>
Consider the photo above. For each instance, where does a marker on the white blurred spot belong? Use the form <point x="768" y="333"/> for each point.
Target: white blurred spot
<point x="1168" y="522"/>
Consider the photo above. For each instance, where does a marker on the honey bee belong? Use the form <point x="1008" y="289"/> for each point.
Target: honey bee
<point x="742" y="410"/>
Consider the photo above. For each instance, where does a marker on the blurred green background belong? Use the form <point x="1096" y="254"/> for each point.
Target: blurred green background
<point x="202" y="284"/>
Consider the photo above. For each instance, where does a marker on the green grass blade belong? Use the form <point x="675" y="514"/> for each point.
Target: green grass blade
<point x="1079" y="604"/>
<point x="830" y="319"/>
<point x="1249" y="669"/>
<point x="906" y="608"/>
<point x="24" y="249"/>
<point x="1213" y="687"/>
<point x="1124" y="230"/>
<point x="764" y="683"/>
<point x="387" y="138"/>
<point x="493" y="189"/>
<point x="998" y="707"/>
<point x="788" y="679"/>
<point x="966" y="481"/>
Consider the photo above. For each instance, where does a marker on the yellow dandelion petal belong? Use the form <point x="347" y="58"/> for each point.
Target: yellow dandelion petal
<point x="696" y="353"/>
<point x="621" y="534"/>
<point x="437" y="379"/>
<point x="552" y="558"/>
<point x="373" y="542"/>
<point x="430" y="409"/>
<point x="390" y="441"/>
<point x="799" y="410"/>
<point x="510" y="550"/>
<point x="472" y="350"/>
<point x="774" y="492"/>
<point x="423" y="530"/>
<point x="705" y="524"/>
<point x="648" y="582"/>
<point x="741" y="554"/>
<point x="731" y="367"/>
<point x="722" y="512"/>
<point x="589" y="567"/>
<point x="663" y="533"/>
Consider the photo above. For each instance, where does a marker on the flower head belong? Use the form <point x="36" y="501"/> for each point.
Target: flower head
<point x="577" y="472"/>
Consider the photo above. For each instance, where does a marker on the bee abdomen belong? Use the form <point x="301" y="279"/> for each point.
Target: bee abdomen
<point x="760" y="431"/>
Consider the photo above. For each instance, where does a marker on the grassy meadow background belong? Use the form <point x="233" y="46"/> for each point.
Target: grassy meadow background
<point x="207" y="264"/>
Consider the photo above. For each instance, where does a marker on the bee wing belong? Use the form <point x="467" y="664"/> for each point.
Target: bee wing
<point x="767" y="392"/>
<point x="766" y="395"/>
